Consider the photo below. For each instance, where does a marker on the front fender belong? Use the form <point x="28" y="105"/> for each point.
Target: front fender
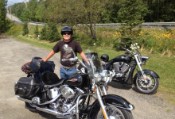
<point x="147" y="71"/>
<point x="150" y="72"/>
<point x="119" y="101"/>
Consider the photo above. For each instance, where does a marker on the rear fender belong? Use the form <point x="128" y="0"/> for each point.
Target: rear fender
<point x="113" y="99"/>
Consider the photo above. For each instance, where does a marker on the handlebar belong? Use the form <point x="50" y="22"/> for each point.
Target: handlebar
<point x="133" y="49"/>
<point x="75" y="59"/>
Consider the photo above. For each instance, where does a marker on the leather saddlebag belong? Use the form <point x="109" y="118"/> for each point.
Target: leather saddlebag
<point x="26" y="87"/>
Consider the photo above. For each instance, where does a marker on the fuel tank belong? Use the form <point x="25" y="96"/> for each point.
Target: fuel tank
<point x="80" y="80"/>
<point x="122" y="58"/>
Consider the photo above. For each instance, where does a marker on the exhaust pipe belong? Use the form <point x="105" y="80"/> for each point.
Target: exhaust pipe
<point x="25" y="100"/>
<point x="37" y="101"/>
<point x="53" y="112"/>
<point x="46" y="110"/>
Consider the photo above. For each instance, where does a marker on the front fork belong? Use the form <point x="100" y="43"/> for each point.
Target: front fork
<point x="105" y="115"/>
<point x="139" y="65"/>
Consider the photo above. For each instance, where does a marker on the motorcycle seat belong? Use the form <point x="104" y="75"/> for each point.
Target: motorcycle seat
<point x="50" y="79"/>
<point x="60" y="82"/>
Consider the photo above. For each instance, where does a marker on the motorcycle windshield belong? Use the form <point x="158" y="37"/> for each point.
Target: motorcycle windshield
<point x="95" y="62"/>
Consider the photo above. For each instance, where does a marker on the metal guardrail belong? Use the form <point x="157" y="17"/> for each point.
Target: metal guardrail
<point x="146" y="24"/>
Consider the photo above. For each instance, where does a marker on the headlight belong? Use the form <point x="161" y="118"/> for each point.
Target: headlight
<point x="144" y="59"/>
<point x="104" y="76"/>
<point x="107" y="79"/>
<point x="107" y="76"/>
<point x="97" y="77"/>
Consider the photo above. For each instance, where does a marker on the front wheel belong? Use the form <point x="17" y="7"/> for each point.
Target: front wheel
<point x="113" y="111"/>
<point x="147" y="84"/>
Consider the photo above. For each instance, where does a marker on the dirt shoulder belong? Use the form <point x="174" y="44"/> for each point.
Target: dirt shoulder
<point x="13" y="54"/>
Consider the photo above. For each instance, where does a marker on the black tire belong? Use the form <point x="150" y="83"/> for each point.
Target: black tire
<point x="113" y="111"/>
<point x="148" y="87"/>
<point x="30" y="107"/>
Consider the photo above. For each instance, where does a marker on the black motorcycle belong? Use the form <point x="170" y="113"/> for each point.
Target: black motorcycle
<point x="146" y="81"/>
<point x="82" y="96"/>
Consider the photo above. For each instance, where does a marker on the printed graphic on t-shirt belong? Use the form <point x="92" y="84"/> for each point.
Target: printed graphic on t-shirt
<point x="67" y="55"/>
<point x="67" y="52"/>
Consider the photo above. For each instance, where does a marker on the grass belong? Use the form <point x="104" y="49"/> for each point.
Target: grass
<point x="164" y="66"/>
<point x="36" y="42"/>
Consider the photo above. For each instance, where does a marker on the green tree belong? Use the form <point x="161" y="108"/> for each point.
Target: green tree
<point x="160" y="10"/>
<point x="43" y="34"/>
<point x="109" y="13"/>
<point x="52" y="32"/>
<point x="91" y="12"/>
<point x="75" y="12"/>
<point x="131" y="14"/>
<point x="49" y="32"/>
<point x="3" y="22"/>
<point x="25" y="16"/>
<point x="36" y="32"/>
<point x="25" y="29"/>
<point x="32" y="7"/>
<point x="17" y="9"/>
<point x="41" y="11"/>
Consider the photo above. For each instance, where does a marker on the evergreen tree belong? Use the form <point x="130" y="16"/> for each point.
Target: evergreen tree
<point x="43" y="34"/>
<point x="36" y="32"/>
<point x="25" y="29"/>
<point x="3" y="22"/>
<point x="131" y="14"/>
<point x="52" y="32"/>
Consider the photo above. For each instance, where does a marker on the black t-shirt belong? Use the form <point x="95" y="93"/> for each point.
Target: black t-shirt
<point x="59" y="47"/>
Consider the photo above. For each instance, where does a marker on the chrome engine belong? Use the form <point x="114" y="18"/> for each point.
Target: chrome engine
<point x="53" y="92"/>
<point x="61" y="101"/>
<point x="120" y="68"/>
<point x="67" y="92"/>
<point x="67" y="99"/>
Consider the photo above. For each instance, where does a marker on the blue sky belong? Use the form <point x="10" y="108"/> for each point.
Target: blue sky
<point x="11" y="2"/>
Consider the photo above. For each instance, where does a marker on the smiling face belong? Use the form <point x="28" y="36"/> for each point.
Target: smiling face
<point x="67" y="36"/>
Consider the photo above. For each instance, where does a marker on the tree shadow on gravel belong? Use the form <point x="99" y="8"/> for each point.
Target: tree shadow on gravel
<point x="120" y="86"/>
<point x="127" y="87"/>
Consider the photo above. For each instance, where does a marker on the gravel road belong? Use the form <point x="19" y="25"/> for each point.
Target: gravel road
<point x="14" y="54"/>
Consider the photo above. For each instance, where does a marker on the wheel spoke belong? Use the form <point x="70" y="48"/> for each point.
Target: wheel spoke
<point x="148" y="85"/>
<point x="112" y="111"/>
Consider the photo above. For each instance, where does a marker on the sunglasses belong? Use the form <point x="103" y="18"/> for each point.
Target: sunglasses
<point x="68" y="33"/>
